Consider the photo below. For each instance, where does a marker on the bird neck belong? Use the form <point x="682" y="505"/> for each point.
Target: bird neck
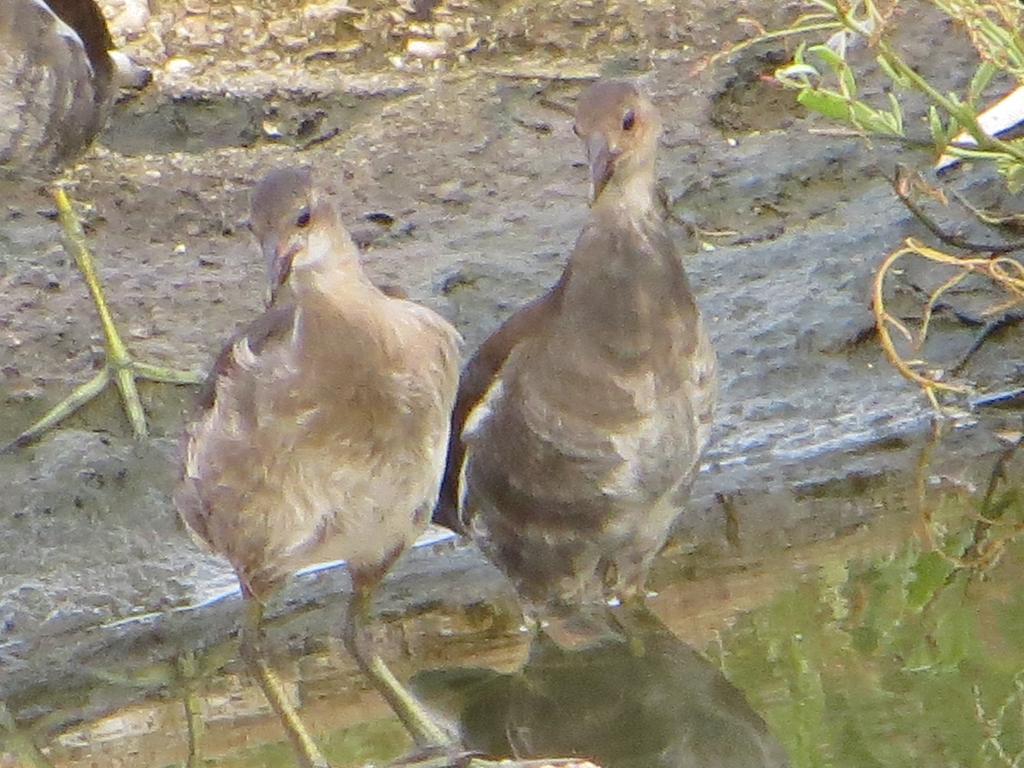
<point x="631" y="197"/>
<point x="338" y="317"/>
<point x="334" y="269"/>
<point x="627" y="291"/>
<point x="340" y="283"/>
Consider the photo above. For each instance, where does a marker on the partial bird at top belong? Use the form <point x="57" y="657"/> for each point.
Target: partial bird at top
<point x="57" y="83"/>
<point x="58" y="80"/>
<point x="580" y="422"/>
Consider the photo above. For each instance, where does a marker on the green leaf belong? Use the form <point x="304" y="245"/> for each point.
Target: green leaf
<point x="892" y="74"/>
<point x="827" y="103"/>
<point x="839" y="67"/>
<point x="848" y="82"/>
<point x="939" y="137"/>
<point x="873" y="120"/>
<point x="834" y="61"/>
<point x="952" y="128"/>
<point x="929" y="574"/>
<point x="1014" y="176"/>
<point x="953" y="635"/>
<point x="797" y="75"/>
<point x="897" y="114"/>
<point x="982" y="77"/>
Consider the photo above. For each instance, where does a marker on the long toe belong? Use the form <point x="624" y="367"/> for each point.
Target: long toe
<point x="451" y="755"/>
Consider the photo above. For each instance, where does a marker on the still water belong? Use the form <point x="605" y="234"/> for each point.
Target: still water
<point x="893" y="643"/>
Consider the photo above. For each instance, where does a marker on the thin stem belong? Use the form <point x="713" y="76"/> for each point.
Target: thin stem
<point x="964" y="115"/>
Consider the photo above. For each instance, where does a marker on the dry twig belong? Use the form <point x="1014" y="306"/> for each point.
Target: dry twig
<point x="1006" y="272"/>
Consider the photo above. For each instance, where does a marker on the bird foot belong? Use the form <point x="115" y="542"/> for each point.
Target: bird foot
<point x="454" y="756"/>
<point x="120" y="370"/>
<point x="120" y="367"/>
<point x="438" y="756"/>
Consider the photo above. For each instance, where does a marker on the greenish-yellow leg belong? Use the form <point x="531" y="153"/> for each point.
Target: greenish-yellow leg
<point x="252" y="651"/>
<point x="438" y="748"/>
<point x="119" y="368"/>
<point x="188" y="671"/>
<point x="425" y="732"/>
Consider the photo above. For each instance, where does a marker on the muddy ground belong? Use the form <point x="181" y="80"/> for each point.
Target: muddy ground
<point x="462" y="178"/>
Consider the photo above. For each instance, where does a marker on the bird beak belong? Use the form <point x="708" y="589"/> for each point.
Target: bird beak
<point x="602" y="164"/>
<point x="279" y="258"/>
<point x="128" y="74"/>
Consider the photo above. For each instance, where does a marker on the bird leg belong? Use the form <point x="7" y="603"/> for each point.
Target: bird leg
<point x="120" y="368"/>
<point x="436" y="747"/>
<point x="252" y="651"/>
<point x="188" y="671"/>
<point x="425" y="732"/>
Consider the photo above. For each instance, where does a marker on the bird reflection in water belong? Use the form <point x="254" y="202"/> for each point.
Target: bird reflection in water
<point x="638" y="696"/>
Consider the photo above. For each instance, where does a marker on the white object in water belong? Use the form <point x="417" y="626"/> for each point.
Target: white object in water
<point x="999" y="118"/>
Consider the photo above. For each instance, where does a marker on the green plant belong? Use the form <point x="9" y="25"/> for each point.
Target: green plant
<point x="907" y="657"/>
<point x="825" y="79"/>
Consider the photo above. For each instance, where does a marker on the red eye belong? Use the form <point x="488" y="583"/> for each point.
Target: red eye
<point x="628" y="121"/>
<point x="303" y="219"/>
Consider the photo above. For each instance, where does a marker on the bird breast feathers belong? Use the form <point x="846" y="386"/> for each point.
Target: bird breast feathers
<point x="664" y="424"/>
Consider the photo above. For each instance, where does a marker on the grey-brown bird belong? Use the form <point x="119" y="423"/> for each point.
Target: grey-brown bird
<point x="59" y="76"/>
<point x="323" y="433"/>
<point x="581" y="421"/>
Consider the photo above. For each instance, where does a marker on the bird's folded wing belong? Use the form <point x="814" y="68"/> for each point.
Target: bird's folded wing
<point x="477" y="378"/>
<point x="273" y="325"/>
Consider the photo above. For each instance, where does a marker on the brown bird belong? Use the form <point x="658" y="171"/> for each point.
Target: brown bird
<point x="323" y="433"/>
<point x="58" y="80"/>
<point x="580" y="422"/>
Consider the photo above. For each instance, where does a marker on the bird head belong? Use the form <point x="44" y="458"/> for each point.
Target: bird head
<point x="297" y="226"/>
<point x="620" y="128"/>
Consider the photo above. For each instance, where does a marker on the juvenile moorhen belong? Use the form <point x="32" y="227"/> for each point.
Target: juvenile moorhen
<point x="581" y="421"/>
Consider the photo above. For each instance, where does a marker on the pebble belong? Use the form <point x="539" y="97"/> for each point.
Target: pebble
<point x="319" y="13"/>
<point x="178" y="65"/>
<point x="426" y="49"/>
<point x="127" y="18"/>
